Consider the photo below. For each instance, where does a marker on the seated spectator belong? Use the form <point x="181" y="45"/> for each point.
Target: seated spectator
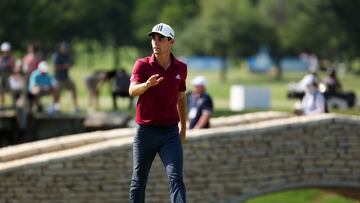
<point x="200" y="104"/>
<point x="17" y="84"/>
<point x="42" y="83"/>
<point x="298" y="90"/>
<point x="331" y="82"/>
<point x="313" y="102"/>
<point x="7" y="64"/>
<point x="333" y="88"/>
<point x="121" y="88"/>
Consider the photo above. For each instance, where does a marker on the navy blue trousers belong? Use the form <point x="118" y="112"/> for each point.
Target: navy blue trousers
<point x="165" y="141"/>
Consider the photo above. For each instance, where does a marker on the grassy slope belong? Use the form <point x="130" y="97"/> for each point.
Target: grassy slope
<point x="220" y="90"/>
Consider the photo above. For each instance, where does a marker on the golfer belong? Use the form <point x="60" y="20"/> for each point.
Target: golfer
<point x="160" y="82"/>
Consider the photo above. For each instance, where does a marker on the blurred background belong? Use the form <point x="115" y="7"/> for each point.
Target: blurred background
<point x="263" y="43"/>
<point x="249" y="36"/>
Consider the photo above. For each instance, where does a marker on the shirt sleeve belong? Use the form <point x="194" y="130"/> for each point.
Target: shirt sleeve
<point x="208" y="105"/>
<point x="182" y="86"/>
<point x="32" y="80"/>
<point x="137" y="75"/>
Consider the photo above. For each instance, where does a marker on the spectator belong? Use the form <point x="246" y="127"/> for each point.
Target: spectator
<point x="200" y="104"/>
<point x="121" y="88"/>
<point x="334" y="89"/>
<point x="63" y="62"/>
<point x="298" y="90"/>
<point x="313" y="102"/>
<point x="17" y="84"/>
<point x="93" y="83"/>
<point x="7" y="64"/>
<point x="42" y="83"/>
<point x="331" y="82"/>
<point x="31" y="60"/>
<point x="312" y="60"/>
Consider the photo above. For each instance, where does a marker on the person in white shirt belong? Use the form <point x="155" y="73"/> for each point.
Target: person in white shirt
<point x="17" y="84"/>
<point x="314" y="101"/>
<point x="297" y="90"/>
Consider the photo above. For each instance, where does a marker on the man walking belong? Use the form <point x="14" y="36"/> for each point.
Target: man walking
<point x="160" y="82"/>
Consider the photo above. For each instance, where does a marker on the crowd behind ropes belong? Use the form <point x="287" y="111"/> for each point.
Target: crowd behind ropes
<point x="30" y="78"/>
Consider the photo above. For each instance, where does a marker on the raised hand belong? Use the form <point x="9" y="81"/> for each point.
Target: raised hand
<point x="154" y="80"/>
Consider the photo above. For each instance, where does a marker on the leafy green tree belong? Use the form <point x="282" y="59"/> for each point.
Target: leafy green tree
<point x="108" y="21"/>
<point x="327" y="28"/>
<point x="177" y="13"/>
<point x="226" y="28"/>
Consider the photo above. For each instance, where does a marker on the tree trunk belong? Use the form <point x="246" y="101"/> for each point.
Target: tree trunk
<point x="116" y="53"/>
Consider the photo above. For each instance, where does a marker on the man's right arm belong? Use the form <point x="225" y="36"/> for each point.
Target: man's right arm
<point x="137" y="89"/>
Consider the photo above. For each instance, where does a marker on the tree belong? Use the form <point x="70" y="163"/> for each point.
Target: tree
<point x="108" y="21"/>
<point x="226" y="28"/>
<point x="177" y="13"/>
<point x="320" y="26"/>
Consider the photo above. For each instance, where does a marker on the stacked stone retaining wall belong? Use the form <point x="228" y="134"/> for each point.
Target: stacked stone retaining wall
<point x="224" y="164"/>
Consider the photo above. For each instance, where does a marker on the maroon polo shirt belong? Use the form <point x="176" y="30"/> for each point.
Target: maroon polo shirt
<point x="158" y="104"/>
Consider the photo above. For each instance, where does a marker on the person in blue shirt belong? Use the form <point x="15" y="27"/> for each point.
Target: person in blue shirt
<point x="200" y="104"/>
<point x="63" y="63"/>
<point x="41" y="83"/>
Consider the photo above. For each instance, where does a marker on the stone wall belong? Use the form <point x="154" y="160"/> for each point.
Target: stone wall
<point x="225" y="164"/>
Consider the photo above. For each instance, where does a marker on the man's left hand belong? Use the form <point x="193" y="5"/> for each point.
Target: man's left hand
<point x="182" y="135"/>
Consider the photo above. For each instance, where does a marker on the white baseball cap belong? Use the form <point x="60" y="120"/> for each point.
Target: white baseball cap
<point x="5" y="46"/>
<point x="43" y="67"/>
<point x="163" y="29"/>
<point x="199" y="81"/>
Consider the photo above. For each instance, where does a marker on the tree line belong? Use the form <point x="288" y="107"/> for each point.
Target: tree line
<point x="228" y="28"/>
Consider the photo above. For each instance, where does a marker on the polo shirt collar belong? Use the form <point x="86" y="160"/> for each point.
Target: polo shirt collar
<point x="154" y="62"/>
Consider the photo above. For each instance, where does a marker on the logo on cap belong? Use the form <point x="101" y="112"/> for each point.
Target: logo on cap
<point x="159" y="28"/>
<point x="163" y="29"/>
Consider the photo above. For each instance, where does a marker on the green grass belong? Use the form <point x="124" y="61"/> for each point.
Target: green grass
<point x="301" y="196"/>
<point x="218" y="89"/>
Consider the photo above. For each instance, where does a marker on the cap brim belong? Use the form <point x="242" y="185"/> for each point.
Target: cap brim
<point x="151" y="33"/>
